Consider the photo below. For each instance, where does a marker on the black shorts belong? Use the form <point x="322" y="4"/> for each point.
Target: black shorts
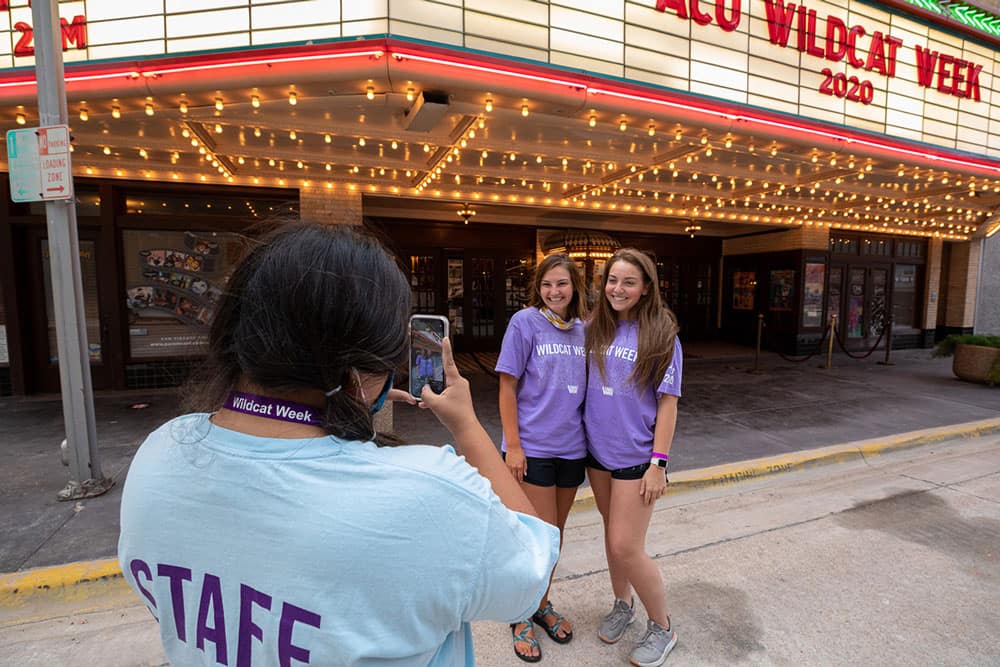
<point x="554" y="471"/>
<point x="632" y="472"/>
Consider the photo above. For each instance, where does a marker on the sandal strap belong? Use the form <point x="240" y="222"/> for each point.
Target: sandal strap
<point x="549" y="611"/>
<point x="522" y="635"/>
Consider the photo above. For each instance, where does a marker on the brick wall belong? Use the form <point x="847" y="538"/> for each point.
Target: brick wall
<point x="336" y="205"/>
<point x="962" y="278"/>
<point x="797" y="238"/>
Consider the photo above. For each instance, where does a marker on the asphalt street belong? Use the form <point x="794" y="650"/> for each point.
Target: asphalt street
<point x="889" y="559"/>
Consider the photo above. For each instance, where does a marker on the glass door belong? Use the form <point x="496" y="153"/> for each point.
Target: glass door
<point x="44" y="349"/>
<point x="854" y="324"/>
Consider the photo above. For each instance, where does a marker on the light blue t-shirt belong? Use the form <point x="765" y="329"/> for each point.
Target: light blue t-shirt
<point x="264" y="551"/>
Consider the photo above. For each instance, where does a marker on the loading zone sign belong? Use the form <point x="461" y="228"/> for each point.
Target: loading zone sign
<point x="39" y="164"/>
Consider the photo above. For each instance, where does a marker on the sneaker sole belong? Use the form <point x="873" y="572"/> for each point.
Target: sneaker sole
<point x="662" y="658"/>
<point x="617" y="639"/>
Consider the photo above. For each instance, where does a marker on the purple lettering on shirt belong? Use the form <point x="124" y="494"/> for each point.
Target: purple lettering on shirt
<point x="248" y="598"/>
<point x="211" y="596"/>
<point x="177" y="576"/>
<point x="137" y="566"/>
<point x="290" y="615"/>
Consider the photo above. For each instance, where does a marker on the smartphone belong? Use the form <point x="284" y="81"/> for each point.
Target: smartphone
<point x="426" y="359"/>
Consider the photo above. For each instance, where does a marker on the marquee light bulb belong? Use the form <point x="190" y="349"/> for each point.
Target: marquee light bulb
<point x="84" y="114"/>
<point x="622" y="125"/>
<point x="652" y="130"/>
<point x="370" y="92"/>
<point x="149" y="108"/>
<point x="21" y="120"/>
<point x="116" y="112"/>
<point x="184" y="106"/>
<point x="219" y="105"/>
<point x="218" y="128"/>
<point x="255" y="101"/>
<point x="524" y="110"/>
<point x="327" y="138"/>
<point x="593" y="120"/>
<point x="293" y="98"/>
<point x="489" y="105"/>
<point x="361" y="142"/>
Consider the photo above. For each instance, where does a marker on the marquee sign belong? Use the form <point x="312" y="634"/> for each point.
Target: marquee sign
<point x="836" y="42"/>
<point x="849" y="62"/>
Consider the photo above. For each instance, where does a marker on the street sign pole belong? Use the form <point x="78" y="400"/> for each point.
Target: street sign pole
<point x="67" y="283"/>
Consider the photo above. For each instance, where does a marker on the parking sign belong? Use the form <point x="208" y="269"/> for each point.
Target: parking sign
<point x="39" y="163"/>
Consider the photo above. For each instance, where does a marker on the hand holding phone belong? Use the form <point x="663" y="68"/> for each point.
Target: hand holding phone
<point x="426" y="359"/>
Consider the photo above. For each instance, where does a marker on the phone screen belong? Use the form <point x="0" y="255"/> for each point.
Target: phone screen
<point x="426" y="361"/>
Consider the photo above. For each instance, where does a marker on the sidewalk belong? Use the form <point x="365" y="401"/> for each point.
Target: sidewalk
<point x="896" y="551"/>
<point x="726" y="415"/>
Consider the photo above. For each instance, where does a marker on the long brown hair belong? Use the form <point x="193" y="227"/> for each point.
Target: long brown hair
<point x="657" y="325"/>
<point x="578" y="304"/>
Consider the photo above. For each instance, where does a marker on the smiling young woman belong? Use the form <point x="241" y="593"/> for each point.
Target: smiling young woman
<point x="633" y="383"/>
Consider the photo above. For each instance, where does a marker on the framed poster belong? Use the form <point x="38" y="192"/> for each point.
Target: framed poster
<point x="812" y="294"/>
<point x="744" y="283"/>
<point x="782" y="289"/>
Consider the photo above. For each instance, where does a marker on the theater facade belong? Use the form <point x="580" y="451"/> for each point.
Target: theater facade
<point x="790" y="162"/>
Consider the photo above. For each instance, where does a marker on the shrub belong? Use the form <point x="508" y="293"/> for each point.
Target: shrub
<point x="946" y="348"/>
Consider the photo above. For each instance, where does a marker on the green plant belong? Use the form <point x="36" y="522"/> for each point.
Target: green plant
<point x="946" y="348"/>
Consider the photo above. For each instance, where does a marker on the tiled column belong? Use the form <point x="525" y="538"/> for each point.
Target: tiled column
<point x="932" y="290"/>
<point x="963" y="274"/>
<point x="339" y="206"/>
<point x="336" y="205"/>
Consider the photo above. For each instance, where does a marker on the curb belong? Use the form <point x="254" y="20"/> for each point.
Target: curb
<point x="77" y="581"/>
<point x="742" y="471"/>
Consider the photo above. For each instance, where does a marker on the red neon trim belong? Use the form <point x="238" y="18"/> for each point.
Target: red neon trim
<point x="366" y="48"/>
<point x="488" y="70"/>
<point x="731" y="114"/>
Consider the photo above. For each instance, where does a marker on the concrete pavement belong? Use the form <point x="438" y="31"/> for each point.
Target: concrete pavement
<point x="891" y="557"/>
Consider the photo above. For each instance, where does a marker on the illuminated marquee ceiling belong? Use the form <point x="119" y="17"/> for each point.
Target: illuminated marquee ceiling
<point x="551" y="144"/>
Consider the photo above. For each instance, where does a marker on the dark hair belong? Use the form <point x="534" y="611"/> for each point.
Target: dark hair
<point x="305" y="306"/>
<point x="578" y="304"/>
<point x="656" y="323"/>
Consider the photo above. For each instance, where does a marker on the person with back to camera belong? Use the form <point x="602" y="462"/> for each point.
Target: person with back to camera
<point x="635" y="363"/>
<point x="542" y="384"/>
<point x="280" y="529"/>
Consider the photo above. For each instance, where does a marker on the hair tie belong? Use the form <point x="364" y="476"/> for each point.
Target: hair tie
<point x="332" y="391"/>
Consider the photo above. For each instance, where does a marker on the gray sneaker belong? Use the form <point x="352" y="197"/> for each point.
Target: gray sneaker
<point x="652" y="649"/>
<point x="613" y="625"/>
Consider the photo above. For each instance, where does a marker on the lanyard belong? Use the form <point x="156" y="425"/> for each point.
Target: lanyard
<point x="272" y="408"/>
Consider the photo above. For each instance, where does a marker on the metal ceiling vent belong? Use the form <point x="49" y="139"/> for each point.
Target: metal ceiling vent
<point x="581" y="244"/>
<point x="426" y="111"/>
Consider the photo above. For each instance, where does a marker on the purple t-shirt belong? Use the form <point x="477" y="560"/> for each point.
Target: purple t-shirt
<point x="551" y="373"/>
<point x="618" y="417"/>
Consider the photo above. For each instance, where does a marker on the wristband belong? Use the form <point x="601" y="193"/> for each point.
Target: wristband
<point x="658" y="455"/>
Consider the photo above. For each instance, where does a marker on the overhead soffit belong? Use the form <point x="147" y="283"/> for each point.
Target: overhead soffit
<point x="511" y="135"/>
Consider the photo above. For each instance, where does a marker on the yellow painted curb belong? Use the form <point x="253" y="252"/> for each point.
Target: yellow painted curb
<point x="741" y="471"/>
<point x="70" y="582"/>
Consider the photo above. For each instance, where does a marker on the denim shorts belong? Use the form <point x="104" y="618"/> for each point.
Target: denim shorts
<point x="632" y="472"/>
<point x="554" y="471"/>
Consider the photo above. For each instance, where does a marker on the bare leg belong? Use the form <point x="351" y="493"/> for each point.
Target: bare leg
<point x="601" y="483"/>
<point x="625" y="539"/>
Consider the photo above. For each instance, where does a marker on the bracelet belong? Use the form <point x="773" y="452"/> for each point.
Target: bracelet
<point x="658" y="455"/>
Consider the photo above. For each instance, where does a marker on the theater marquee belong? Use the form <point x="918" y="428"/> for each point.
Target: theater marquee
<point x="853" y="63"/>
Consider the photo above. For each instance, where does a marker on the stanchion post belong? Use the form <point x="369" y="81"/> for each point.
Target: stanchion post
<point x="756" y="352"/>
<point x="888" y="345"/>
<point x="829" y="348"/>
